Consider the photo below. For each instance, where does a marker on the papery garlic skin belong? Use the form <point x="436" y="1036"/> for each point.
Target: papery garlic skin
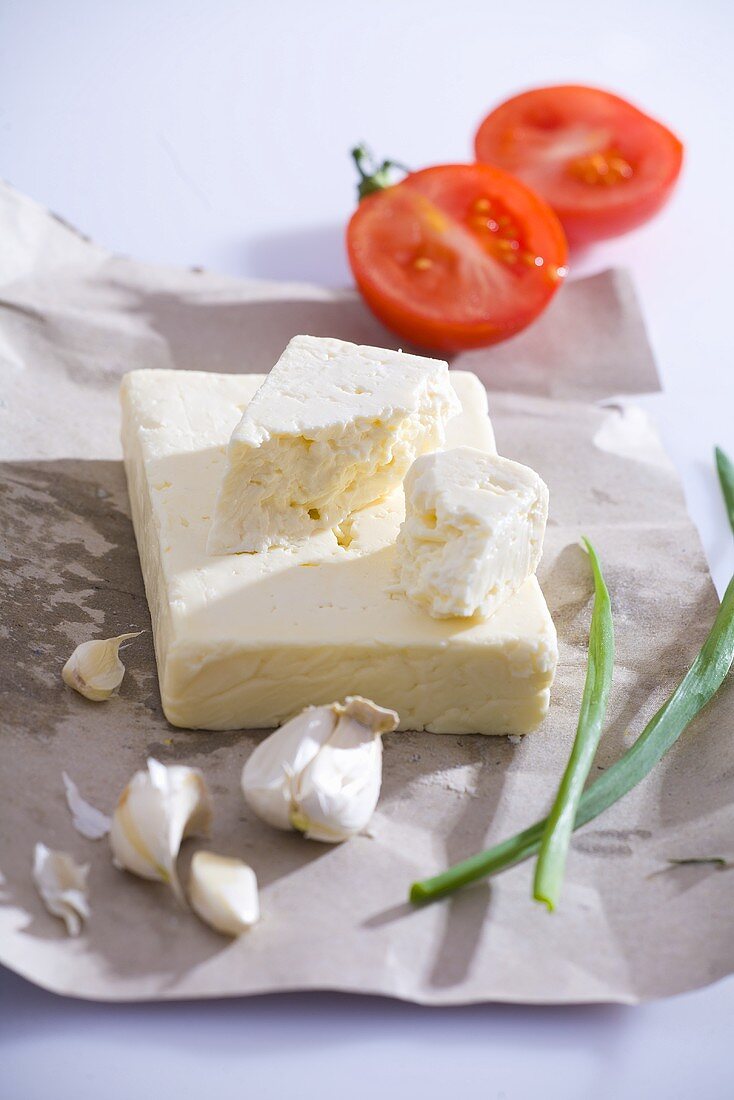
<point x="223" y="892"/>
<point x="157" y="809"/>
<point x="321" y="772"/>
<point x="87" y="819"/>
<point x="95" y="669"/>
<point x="62" y="884"/>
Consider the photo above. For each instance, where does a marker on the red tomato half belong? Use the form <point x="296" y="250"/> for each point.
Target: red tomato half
<point x="603" y="166"/>
<point x="456" y="256"/>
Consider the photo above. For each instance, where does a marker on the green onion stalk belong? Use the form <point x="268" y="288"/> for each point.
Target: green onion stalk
<point x="694" y="692"/>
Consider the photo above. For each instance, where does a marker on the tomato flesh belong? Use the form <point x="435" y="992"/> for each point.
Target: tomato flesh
<point x="456" y="256"/>
<point x="603" y="165"/>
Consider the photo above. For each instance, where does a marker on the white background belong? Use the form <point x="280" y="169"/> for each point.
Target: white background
<point x="217" y="134"/>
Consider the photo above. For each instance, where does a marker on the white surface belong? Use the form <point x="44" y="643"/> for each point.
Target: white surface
<point x="217" y="133"/>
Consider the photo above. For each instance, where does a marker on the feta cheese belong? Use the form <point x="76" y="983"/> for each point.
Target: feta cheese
<point x="248" y="640"/>
<point x="473" y="531"/>
<point x="333" y="428"/>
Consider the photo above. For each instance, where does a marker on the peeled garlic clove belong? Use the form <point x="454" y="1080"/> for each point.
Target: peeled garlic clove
<point x="157" y="809"/>
<point x="223" y="892"/>
<point x="95" y="669"/>
<point x="321" y="772"/>
<point x="337" y="792"/>
<point x="62" y="884"/>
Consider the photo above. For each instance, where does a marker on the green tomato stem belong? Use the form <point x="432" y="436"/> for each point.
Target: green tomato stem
<point x="372" y="176"/>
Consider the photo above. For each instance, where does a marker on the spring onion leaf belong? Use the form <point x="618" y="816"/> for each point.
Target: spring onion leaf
<point x="695" y="690"/>
<point x="725" y="466"/>
<point x="599" y="672"/>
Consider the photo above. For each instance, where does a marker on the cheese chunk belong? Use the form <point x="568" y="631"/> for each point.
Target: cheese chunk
<point x="333" y="427"/>
<point x="248" y="640"/>
<point x="473" y="531"/>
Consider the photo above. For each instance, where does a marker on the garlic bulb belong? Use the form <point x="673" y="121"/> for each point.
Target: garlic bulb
<point x="321" y="772"/>
<point x="62" y="884"/>
<point x="223" y="892"/>
<point x="157" y="809"/>
<point x="95" y="669"/>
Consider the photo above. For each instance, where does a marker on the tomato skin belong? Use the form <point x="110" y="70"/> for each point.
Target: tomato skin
<point x="530" y="135"/>
<point x="470" y="298"/>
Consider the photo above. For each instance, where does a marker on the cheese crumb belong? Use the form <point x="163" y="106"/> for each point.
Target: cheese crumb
<point x="473" y="531"/>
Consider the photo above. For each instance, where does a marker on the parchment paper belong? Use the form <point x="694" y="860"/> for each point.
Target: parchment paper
<point x="631" y="925"/>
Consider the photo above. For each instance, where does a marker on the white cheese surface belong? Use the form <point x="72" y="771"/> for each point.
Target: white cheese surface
<point x="248" y="640"/>
<point x="334" y="427"/>
<point x="473" y="531"/>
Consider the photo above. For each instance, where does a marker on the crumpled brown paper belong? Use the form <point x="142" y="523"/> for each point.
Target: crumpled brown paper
<point x="631" y="926"/>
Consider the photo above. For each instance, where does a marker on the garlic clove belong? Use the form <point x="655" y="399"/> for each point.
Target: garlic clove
<point x="268" y="773"/>
<point x="336" y="794"/>
<point x="62" y="884"/>
<point x="88" y="820"/>
<point x="321" y="772"/>
<point x="223" y="892"/>
<point x="95" y="669"/>
<point x="157" y="809"/>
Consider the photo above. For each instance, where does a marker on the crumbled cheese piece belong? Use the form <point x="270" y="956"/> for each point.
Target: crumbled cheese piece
<point x="473" y="531"/>
<point x="333" y="428"/>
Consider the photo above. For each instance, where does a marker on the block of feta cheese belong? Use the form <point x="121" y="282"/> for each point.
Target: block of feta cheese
<point x="473" y="531"/>
<point x="333" y="427"/>
<point x="248" y="640"/>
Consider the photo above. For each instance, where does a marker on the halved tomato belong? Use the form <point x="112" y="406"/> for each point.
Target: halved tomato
<point x="603" y="165"/>
<point x="455" y="256"/>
